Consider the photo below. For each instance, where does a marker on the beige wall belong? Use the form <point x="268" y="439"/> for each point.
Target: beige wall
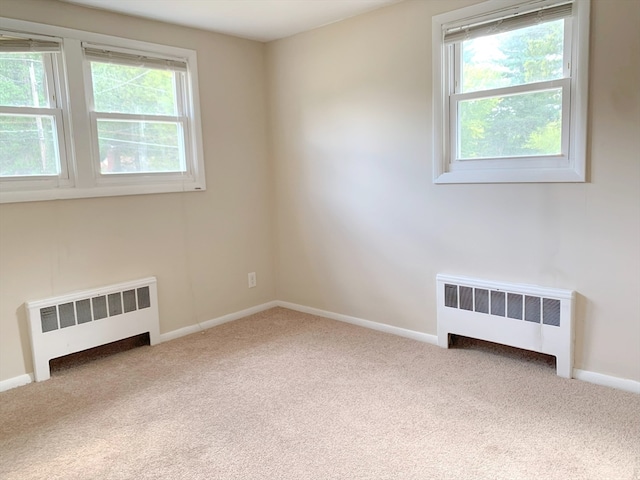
<point x="199" y="245"/>
<point x="362" y="230"/>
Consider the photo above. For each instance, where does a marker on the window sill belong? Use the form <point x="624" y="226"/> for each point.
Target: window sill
<point x="537" y="175"/>
<point x="62" y="193"/>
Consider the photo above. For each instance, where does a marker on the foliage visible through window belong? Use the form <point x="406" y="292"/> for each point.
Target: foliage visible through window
<point x="137" y="113"/>
<point x="28" y="130"/>
<point x="518" y="124"/>
<point x="510" y="92"/>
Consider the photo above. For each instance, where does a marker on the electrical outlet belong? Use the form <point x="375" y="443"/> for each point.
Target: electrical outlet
<point x="252" y="280"/>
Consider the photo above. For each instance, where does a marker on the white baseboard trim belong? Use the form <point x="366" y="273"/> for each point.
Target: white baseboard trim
<point x="607" y="380"/>
<point x="21" y="380"/>
<point x="14" y="382"/>
<point x="381" y="327"/>
<point x="181" y="332"/>
<point x="584" y="375"/>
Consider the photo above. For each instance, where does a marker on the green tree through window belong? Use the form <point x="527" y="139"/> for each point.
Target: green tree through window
<point x="512" y="125"/>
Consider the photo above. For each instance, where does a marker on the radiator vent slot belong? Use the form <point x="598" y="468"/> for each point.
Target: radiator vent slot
<point x="524" y="316"/>
<point x="99" y="307"/>
<point x="78" y="321"/>
<point x="551" y="312"/>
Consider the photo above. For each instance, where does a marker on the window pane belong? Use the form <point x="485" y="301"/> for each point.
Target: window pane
<point x="128" y="89"/>
<point x="511" y="126"/>
<point x="22" y="80"/>
<point x="136" y="146"/>
<point x="527" y="55"/>
<point x="28" y="145"/>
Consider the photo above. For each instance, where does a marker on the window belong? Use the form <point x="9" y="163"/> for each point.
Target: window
<point x="138" y="112"/>
<point x="510" y="92"/>
<point x="132" y="108"/>
<point x="32" y="123"/>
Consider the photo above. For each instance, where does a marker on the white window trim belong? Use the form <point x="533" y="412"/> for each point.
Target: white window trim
<point x="83" y="177"/>
<point x="534" y="169"/>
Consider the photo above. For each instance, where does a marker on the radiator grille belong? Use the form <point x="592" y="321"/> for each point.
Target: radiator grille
<point x="69" y="314"/>
<point x="500" y="303"/>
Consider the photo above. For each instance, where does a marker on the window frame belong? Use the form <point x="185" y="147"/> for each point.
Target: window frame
<point x="83" y="177"/>
<point x="570" y="165"/>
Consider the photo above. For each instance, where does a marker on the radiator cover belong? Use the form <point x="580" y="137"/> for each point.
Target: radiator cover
<point x="524" y="316"/>
<point x="81" y="320"/>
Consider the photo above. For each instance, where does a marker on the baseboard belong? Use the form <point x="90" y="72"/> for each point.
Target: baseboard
<point x="607" y="380"/>
<point x="381" y="327"/>
<point x="181" y="332"/>
<point x="14" y="382"/>
<point x="21" y="380"/>
<point x="584" y="375"/>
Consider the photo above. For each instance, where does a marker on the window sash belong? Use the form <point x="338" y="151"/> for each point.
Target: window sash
<point x="457" y="163"/>
<point x="57" y="116"/>
<point x="453" y="67"/>
<point x="49" y="61"/>
<point x="183" y="139"/>
<point x="454" y="60"/>
<point x="180" y="85"/>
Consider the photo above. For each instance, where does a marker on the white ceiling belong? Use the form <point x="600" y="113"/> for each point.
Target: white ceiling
<point x="262" y="20"/>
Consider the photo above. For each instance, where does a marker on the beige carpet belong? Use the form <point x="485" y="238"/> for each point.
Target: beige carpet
<point x="284" y="395"/>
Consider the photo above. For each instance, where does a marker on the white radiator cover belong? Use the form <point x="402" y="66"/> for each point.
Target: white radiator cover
<point x="524" y="316"/>
<point x="81" y="320"/>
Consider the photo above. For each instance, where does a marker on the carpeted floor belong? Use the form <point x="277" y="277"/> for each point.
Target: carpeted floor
<point x="285" y="395"/>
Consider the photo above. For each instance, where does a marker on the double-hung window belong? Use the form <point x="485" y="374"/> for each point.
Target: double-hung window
<point x="138" y="114"/>
<point x="32" y="118"/>
<point x="510" y="92"/>
<point x="90" y="115"/>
